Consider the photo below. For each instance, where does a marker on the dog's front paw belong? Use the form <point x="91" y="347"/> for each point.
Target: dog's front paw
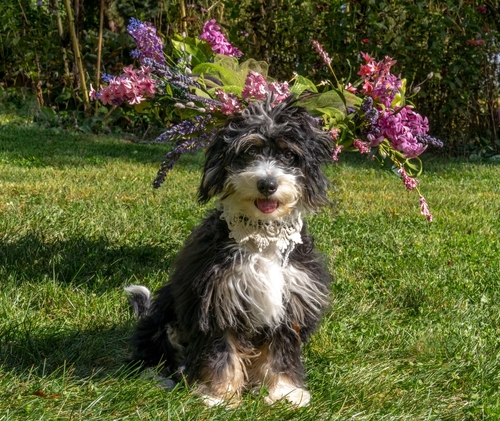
<point x="285" y="390"/>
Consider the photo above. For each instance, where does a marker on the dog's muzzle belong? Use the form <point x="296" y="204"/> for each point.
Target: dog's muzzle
<point x="267" y="186"/>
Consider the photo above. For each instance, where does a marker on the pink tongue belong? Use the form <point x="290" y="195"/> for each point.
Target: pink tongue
<point x="266" y="205"/>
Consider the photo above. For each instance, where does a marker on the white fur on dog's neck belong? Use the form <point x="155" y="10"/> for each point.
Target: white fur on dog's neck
<point x="283" y="232"/>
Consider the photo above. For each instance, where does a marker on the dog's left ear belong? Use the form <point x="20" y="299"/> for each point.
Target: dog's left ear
<point x="214" y="170"/>
<point x="318" y="146"/>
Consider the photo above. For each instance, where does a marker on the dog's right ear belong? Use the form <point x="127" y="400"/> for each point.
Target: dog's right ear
<point x="214" y="170"/>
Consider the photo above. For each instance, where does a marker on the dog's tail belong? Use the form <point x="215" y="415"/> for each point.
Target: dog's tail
<point x="140" y="299"/>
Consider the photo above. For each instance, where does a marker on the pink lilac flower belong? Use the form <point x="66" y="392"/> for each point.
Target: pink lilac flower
<point x="256" y="87"/>
<point x="323" y="54"/>
<point x="410" y="182"/>
<point x="220" y="45"/>
<point x="379" y="83"/>
<point x="350" y="88"/>
<point x="424" y="209"/>
<point x="482" y="9"/>
<point x="281" y="91"/>
<point x="230" y="102"/>
<point x="336" y="153"/>
<point x="334" y="134"/>
<point x="149" y="45"/>
<point x="131" y="87"/>
<point x="362" y="147"/>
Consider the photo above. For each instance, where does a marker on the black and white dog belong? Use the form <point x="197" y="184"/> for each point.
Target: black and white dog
<point x="248" y="287"/>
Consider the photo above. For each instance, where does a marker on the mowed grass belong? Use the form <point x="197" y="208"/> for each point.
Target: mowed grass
<point x="412" y="334"/>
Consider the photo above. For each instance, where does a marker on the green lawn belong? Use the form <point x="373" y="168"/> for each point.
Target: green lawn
<point x="413" y="332"/>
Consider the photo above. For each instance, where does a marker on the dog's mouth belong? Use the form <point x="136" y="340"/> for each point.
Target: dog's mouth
<point x="266" y="205"/>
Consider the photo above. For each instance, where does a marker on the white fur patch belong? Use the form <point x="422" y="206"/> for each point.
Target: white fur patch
<point x="254" y="288"/>
<point x="259" y="288"/>
<point x="284" y="389"/>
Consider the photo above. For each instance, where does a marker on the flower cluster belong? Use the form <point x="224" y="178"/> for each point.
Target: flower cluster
<point x="132" y="87"/>
<point x="149" y="45"/>
<point x="212" y="34"/>
<point x="257" y="87"/>
<point x="379" y="83"/>
<point x="378" y="122"/>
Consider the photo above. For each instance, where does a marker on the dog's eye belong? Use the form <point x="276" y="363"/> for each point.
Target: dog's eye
<point x="288" y="156"/>
<point x="252" y="151"/>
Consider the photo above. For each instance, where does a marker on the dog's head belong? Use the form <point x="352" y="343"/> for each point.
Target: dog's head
<point x="268" y="161"/>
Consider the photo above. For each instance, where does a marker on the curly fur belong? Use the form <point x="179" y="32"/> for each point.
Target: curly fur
<point x="238" y="307"/>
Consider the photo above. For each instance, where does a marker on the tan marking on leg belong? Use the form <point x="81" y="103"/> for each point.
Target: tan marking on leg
<point x="226" y="387"/>
<point x="279" y="385"/>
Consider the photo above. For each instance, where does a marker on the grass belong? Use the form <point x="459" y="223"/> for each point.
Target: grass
<point x="413" y="332"/>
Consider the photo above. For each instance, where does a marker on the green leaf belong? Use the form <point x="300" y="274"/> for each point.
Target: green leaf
<point x="332" y="113"/>
<point x="330" y="99"/>
<point x="226" y="76"/>
<point x="302" y="84"/>
<point x="143" y="107"/>
<point x="228" y="88"/>
<point x="183" y="48"/>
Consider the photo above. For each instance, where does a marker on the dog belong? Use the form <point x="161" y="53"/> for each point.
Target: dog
<point x="248" y="288"/>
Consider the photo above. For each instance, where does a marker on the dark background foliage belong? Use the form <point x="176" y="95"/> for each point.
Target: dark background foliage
<point x="456" y="41"/>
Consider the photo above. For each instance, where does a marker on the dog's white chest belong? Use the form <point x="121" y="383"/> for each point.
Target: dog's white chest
<point x="258" y="288"/>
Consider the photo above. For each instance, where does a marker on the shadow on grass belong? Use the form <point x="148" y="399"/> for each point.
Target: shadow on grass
<point x="94" y="264"/>
<point x="94" y="352"/>
<point x="32" y="146"/>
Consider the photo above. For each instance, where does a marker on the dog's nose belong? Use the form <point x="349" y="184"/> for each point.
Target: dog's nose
<point x="267" y="186"/>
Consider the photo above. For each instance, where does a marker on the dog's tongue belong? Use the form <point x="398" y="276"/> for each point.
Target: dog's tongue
<point x="266" y="205"/>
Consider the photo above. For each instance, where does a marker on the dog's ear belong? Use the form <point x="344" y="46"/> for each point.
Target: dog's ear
<point x="318" y="146"/>
<point x="214" y="170"/>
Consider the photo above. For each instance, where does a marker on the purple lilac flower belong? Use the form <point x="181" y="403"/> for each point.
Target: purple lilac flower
<point x="190" y="145"/>
<point x="255" y="86"/>
<point x="429" y="140"/>
<point x="184" y="128"/>
<point x="220" y="45"/>
<point x="401" y="128"/>
<point x="172" y="76"/>
<point x="106" y="77"/>
<point x="149" y="45"/>
<point x="212" y="103"/>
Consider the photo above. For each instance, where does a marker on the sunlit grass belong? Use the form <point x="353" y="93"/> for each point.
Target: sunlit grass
<point x="412" y="333"/>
